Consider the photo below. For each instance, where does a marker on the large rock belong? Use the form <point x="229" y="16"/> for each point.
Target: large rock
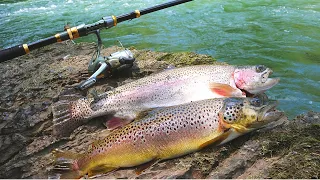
<point x="30" y="84"/>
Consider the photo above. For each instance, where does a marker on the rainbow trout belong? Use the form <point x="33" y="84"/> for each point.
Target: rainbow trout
<point x="168" y="88"/>
<point x="169" y="132"/>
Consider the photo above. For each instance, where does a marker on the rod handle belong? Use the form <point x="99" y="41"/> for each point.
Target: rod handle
<point x="13" y="52"/>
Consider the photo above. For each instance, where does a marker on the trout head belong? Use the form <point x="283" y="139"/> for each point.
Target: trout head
<point x="247" y="114"/>
<point x="254" y="79"/>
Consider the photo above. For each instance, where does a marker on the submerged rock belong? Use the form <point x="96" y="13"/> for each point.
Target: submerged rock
<point x="30" y="84"/>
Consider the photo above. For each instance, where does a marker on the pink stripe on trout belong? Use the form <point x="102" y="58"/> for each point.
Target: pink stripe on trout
<point x="168" y="88"/>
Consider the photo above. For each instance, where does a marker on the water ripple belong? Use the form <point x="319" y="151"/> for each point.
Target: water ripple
<point x="283" y="35"/>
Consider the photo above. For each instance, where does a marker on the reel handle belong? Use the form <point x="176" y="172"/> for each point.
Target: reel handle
<point x="87" y="83"/>
<point x="93" y="78"/>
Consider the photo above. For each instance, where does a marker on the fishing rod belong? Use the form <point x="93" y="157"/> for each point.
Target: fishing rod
<point x="82" y="30"/>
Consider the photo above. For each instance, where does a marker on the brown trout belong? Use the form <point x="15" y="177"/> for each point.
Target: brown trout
<point x="169" y="132"/>
<point x="167" y="88"/>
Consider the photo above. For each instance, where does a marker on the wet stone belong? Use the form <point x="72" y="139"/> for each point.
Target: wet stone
<point x="31" y="83"/>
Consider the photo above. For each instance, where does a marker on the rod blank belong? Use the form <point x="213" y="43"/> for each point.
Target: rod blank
<point x="81" y="30"/>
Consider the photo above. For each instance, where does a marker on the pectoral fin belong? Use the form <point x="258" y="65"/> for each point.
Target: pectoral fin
<point x="217" y="140"/>
<point x="225" y="90"/>
<point x="239" y="128"/>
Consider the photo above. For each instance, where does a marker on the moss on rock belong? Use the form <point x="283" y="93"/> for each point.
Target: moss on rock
<point x="299" y="147"/>
<point x="31" y="83"/>
<point x="186" y="59"/>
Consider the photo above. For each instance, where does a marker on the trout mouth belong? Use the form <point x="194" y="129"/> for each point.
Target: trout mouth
<point x="268" y="114"/>
<point x="269" y="83"/>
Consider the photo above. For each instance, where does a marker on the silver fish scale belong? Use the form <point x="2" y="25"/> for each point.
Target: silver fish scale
<point x="171" y="87"/>
<point x="168" y="88"/>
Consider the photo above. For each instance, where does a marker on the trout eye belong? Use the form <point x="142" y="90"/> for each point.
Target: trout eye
<point x="260" y="68"/>
<point x="263" y="98"/>
<point x="256" y="102"/>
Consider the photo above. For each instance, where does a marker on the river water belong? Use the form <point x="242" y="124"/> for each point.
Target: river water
<point x="282" y="34"/>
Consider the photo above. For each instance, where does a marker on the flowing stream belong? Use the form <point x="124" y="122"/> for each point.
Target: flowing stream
<point x="282" y="34"/>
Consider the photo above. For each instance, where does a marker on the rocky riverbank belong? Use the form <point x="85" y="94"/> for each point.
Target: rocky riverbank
<point x="30" y="84"/>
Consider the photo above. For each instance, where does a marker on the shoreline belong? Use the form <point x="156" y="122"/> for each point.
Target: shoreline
<point x="31" y="83"/>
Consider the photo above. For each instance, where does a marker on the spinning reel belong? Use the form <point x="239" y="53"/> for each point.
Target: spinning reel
<point x="104" y="66"/>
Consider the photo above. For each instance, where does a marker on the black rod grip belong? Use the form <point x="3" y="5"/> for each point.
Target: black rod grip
<point x="19" y="50"/>
<point x="12" y="52"/>
<point x="43" y="42"/>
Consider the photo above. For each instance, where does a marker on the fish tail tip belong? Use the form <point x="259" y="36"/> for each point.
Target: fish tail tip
<point x="68" y="115"/>
<point x="65" y="165"/>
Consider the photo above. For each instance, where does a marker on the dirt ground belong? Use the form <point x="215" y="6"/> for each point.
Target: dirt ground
<point x="30" y="84"/>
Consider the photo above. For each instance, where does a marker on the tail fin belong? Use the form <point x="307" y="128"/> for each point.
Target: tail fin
<point x="68" y="115"/>
<point x="66" y="165"/>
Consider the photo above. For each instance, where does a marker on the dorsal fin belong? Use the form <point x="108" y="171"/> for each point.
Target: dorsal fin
<point x="144" y="113"/>
<point x="148" y="112"/>
<point x="121" y="119"/>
